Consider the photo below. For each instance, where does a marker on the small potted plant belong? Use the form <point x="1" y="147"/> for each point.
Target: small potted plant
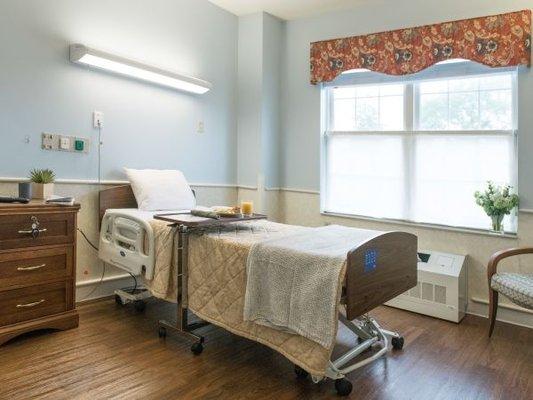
<point x="42" y="183"/>
<point x="497" y="201"/>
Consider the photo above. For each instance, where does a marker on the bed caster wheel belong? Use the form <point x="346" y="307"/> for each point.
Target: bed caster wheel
<point x="118" y="300"/>
<point x="197" y="348"/>
<point x="139" y="305"/>
<point x="162" y="332"/>
<point x="343" y="387"/>
<point x="300" y="372"/>
<point x="397" y="343"/>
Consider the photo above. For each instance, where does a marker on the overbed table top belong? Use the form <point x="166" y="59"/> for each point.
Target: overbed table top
<point x="186" y="219"/>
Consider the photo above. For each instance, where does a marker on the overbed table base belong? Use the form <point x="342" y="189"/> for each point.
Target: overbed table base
<point x="187" y="330"/>
<point x="182" y="326"/>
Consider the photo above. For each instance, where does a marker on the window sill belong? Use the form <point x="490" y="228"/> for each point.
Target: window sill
<point x="472" y="231"/>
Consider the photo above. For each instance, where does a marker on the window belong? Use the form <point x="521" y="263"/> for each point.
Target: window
<point x="418" y="150"/>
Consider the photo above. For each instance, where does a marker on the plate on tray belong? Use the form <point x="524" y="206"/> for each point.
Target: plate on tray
<point x="229" y="215"/>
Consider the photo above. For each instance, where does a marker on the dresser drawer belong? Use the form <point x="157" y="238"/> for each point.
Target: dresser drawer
<point x="32" y="302"/>
<point x="49" y="228"/>
<point x="30" y="267"/>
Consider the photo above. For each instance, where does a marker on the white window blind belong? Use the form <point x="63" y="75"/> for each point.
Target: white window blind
<point x="417" y="150"/>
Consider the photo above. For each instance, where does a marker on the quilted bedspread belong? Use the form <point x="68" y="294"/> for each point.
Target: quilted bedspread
<point x="217" y="286"/>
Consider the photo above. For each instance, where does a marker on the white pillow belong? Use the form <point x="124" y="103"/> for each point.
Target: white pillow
<point x="157" y="190"/>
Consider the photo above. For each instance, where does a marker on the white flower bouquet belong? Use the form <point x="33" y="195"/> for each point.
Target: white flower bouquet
<point x="497" y="201"/>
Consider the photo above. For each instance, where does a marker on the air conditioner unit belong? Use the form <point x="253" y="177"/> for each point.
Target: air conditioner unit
<point x="441" y="290"/>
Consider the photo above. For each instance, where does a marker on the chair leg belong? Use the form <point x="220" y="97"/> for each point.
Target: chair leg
<point x="493" y="308"/>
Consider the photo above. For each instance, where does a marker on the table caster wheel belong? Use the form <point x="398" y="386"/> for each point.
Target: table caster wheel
<point x="397" y="343"/>
<point x="139" y="305"/>
<point x="162" y="332"/>
<point x="118" y="300"/>
<point x="197" y="348"/>
<point x="343" y="387"/>
<point x="300" y="372"/>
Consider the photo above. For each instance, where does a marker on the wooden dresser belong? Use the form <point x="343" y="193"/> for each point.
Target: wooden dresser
<point x="37" y="268"/>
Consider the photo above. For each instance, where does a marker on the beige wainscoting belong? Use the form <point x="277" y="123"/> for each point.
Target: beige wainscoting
<point x="301" y="207"/>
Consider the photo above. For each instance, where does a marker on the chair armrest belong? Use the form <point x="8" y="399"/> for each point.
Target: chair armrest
<point x="500" y="255"/>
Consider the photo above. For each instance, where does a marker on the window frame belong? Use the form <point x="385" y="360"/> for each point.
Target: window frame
<point x="410" y="131"/>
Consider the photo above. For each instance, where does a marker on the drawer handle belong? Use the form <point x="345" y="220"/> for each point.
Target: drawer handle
<point x="29" y="305"/>
<point x="34" y="232"/>
<point x="32" y="268"/>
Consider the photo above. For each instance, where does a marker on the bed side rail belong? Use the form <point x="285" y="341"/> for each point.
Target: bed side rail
<point x="379" y="270"/>
<point x="133" y="259"/>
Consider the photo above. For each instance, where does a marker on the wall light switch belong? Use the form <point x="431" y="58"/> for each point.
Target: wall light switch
<point x="200" y="127"/>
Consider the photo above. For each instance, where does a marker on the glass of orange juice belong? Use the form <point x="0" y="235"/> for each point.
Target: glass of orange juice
<point x="247" y="208"/>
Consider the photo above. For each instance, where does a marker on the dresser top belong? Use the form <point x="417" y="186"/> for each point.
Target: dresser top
<point x="36" y="205"/>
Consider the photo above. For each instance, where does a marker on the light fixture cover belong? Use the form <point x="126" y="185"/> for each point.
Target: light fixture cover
<point x="81" y="54"/>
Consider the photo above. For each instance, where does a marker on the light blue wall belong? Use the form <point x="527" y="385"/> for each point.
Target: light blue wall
<point x="273" y="44"/>
<point x="300" y="152"/>
<point x="250" y="71"/>
<point x="145" y="125"/>
<point x="259" y="75"/>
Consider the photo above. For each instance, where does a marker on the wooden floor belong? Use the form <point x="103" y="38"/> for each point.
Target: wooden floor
<point x="115" y="353"/>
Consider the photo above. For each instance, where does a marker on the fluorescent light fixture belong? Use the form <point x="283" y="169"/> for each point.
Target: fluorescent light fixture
<point x="81" y="54"/>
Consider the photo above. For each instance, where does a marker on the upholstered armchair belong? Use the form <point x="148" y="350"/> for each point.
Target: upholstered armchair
<point x="516" y="287"/>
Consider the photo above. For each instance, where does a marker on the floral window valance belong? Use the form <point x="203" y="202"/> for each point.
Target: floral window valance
<point x="497" y="41"/>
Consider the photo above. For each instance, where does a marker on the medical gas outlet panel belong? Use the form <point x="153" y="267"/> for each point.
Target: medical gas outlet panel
<point x="76" y="144"/>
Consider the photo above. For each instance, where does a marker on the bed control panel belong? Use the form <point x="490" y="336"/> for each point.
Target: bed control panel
<point x="371" y="260"/>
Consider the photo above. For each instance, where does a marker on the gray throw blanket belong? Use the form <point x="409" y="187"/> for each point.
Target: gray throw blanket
<point x="294" y="282"/>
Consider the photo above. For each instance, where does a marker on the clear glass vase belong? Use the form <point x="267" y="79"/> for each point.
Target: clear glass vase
<point x="497" y="223"/>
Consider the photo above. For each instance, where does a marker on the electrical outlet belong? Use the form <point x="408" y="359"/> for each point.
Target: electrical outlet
<point x="64" y="143"/>
<point x="200" y="127"/>
<point x="48" y="142"/>
<point x="98" y="119"/>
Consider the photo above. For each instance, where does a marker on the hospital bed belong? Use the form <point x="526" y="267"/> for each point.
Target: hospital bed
<point x="377" y="271"/>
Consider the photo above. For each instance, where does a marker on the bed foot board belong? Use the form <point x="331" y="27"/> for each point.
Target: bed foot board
<point x="379" y="270"/>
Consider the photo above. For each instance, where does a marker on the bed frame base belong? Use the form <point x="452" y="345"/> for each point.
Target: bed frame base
<point x="368" y="330"/>
<point x="369" y="334"/>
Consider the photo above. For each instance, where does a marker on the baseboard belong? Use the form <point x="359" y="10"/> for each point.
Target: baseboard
<point x="96" y="288"/>
<point x="505" y="314"/>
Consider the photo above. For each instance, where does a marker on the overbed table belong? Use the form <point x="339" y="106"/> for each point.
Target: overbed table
<point x="185" y="224"/>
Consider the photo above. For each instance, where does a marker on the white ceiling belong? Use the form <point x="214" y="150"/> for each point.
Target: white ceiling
<point x="285" y="9"/>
